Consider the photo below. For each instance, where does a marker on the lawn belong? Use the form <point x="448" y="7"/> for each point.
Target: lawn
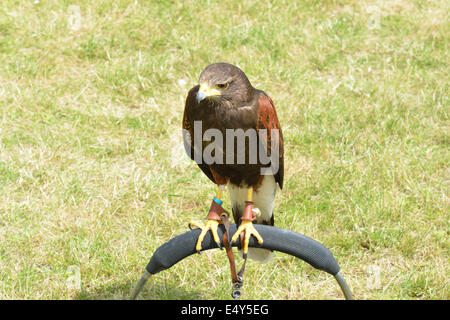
<point x="93" y="176"/>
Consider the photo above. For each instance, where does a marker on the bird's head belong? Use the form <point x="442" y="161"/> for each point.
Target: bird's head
<point x="224" y="81"/>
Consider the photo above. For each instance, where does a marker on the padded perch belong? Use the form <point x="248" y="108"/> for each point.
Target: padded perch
<point x="277" y="239"/>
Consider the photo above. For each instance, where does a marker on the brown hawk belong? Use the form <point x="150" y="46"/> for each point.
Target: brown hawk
<point x="225" y="104"/>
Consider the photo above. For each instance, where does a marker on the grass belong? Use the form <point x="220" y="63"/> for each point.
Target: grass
<point x="92" y="171"/>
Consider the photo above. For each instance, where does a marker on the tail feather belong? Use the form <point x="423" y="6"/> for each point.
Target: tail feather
<point x="258" y="254"/>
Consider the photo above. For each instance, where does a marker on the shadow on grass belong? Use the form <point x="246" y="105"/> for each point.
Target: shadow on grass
<point x="152" y="291"/>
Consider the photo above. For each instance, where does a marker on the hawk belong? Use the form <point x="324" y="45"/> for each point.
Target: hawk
<point x="225" y="102"/>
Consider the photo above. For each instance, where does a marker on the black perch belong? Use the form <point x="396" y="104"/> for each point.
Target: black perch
<point x="277" y="239"/>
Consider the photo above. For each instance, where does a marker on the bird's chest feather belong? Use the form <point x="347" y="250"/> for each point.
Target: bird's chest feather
<point x="222" y="125"/>
<point x="228" y="134"/>
<point x="225" y="116"/>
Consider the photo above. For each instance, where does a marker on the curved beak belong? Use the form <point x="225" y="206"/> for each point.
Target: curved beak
<point x="206" y="91"/>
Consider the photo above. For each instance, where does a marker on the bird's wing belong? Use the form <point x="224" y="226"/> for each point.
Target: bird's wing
<point x="267" y="119"/>
<point x="188" y="134"/>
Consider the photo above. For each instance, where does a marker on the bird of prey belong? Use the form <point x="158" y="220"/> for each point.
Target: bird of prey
<point x="224" y="101"/>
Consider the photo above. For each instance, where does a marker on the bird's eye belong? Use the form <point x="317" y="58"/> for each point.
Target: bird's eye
<point x="222" y="86"/>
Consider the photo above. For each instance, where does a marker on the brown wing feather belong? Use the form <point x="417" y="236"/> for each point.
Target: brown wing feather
<point x="267" y="119"/>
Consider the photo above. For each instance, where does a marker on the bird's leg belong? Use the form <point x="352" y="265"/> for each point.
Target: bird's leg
<point x="246" y="224"/>
<point x="213" y="220"/>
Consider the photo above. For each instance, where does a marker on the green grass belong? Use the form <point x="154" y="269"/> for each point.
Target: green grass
<point x="92" y="172"/>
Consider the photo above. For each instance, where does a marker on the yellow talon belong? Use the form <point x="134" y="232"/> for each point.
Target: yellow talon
<point x="208" y="225"/>
<point x="250" y="230"/>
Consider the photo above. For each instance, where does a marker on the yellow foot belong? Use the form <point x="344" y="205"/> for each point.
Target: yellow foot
<point x="249" y="229"/>
<point x="209" y="225"/>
